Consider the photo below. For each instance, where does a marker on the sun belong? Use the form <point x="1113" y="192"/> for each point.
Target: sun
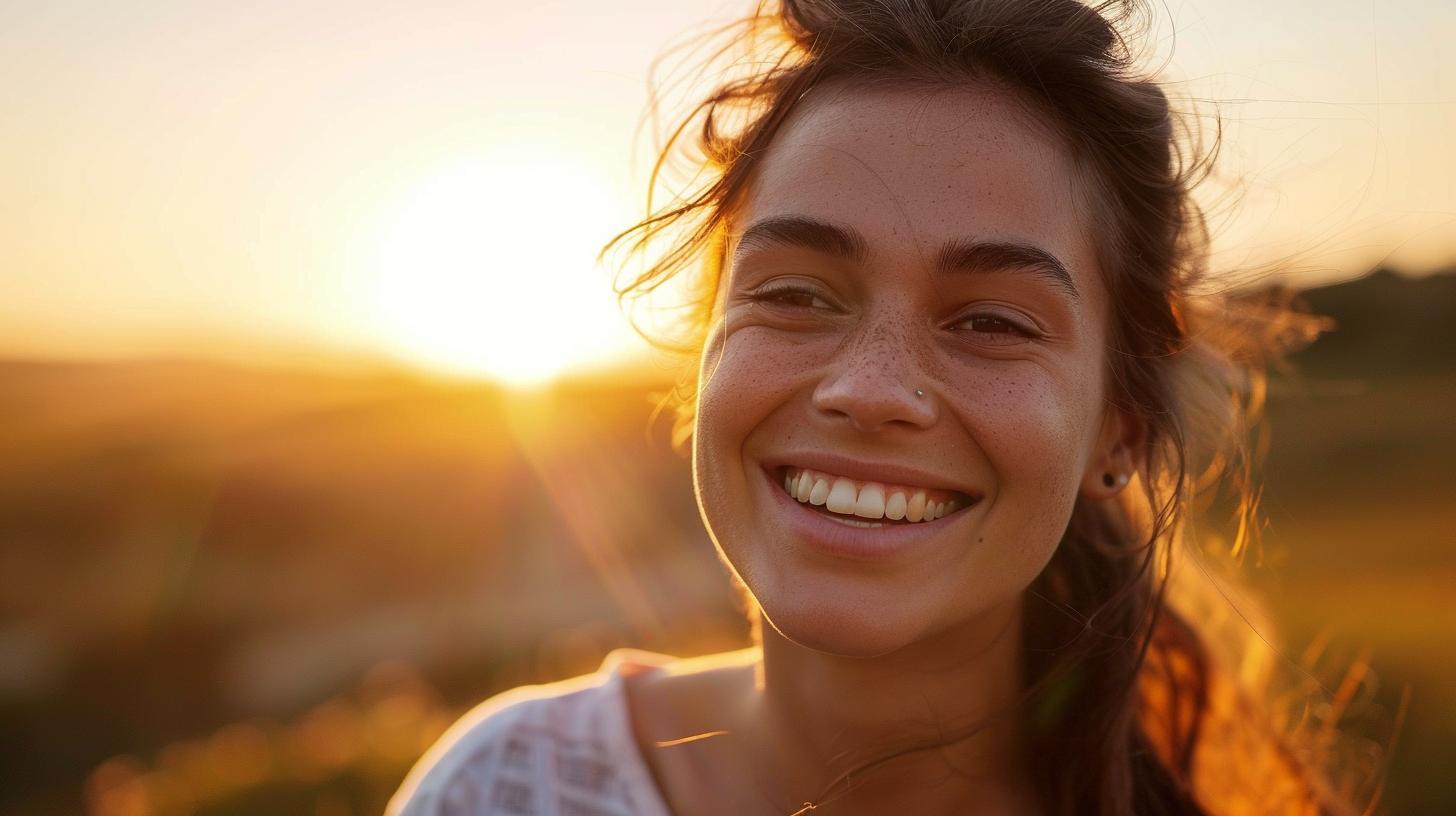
<point x="486" y="266"/>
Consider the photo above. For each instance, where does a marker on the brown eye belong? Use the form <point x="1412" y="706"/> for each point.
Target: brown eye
<point x="992" y="324"/>
<point x="997" y="328"/>
<point x="796" y="296"/>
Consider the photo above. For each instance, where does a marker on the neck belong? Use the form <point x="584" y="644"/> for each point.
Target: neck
<point x="814" y="716"/>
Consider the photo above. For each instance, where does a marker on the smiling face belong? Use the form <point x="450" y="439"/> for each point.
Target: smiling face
<point x="896" y="240"/>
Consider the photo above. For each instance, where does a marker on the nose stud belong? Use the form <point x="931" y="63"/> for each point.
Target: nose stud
<point x="919" y="393"/>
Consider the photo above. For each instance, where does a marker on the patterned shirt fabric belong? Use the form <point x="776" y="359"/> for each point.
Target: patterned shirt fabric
<point x="560" y="749"/>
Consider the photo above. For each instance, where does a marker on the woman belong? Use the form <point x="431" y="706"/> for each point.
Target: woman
<point x="955" y="394"/>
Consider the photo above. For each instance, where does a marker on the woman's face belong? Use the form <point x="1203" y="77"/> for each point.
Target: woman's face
<point x="895" y="242"/>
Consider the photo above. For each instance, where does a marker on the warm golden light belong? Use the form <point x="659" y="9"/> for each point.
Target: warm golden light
<point x="486" y="266"/>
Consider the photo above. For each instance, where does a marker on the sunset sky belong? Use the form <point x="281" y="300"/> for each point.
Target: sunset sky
<point x="430" y="181"/>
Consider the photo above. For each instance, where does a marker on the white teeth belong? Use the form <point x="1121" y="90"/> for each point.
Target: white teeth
<point x="895" y="506"/>
<point x="871" y="502"/>
<point x="841" y="497"/>
<point x="819" y="493"/>
<point x="855" y="522"/>
<point x="915" y="508"/>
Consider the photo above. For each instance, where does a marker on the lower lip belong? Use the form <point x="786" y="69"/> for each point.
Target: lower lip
<point x="875" y="544"/>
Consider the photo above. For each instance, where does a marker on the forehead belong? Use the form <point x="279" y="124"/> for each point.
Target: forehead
<point x="913" y="167"/>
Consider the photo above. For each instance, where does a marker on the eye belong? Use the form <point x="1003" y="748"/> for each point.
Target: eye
<point x="789" y="294"/>
<point x="996" y="329"/>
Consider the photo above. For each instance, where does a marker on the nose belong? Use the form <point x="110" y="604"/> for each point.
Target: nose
<point x="872" y="384"/>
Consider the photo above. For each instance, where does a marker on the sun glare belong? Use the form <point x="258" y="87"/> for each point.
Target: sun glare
<point x="486" y="267"/>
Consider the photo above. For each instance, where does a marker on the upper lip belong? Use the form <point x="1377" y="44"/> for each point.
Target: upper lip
<point x="864" y="470"/>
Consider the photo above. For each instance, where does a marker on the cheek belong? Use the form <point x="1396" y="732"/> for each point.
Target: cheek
<point x="743" y="378"/>
<point x="746" y="374"/>
<point x="1032" y="427"/>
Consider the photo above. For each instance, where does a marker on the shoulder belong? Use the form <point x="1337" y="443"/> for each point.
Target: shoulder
<point x="563" y="746"/>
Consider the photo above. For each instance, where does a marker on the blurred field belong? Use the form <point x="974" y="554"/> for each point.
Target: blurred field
<point x="226" y="590"/>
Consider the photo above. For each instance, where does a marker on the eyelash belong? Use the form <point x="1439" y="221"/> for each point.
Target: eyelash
<point x="780" y="295"/>
<point x="775" y="294"/>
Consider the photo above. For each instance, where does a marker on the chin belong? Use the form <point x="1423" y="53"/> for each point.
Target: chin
<point x="846" y="630"/>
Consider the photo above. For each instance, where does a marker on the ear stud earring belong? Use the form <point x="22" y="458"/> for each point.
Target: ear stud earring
<point x="1108" y="480"/>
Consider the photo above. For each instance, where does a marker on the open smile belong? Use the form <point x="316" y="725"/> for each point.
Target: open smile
<point x="849" y="499"/>
<point x="851" y="528"/>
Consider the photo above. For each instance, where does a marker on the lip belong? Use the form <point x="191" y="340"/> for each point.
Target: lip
<point x="867" y="544"/>
<point x="885" y="473"/>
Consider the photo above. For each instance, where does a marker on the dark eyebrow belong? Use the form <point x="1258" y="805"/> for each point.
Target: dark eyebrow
<point x="797" y="231"/>
<point x="961" y="255"/>
<point x="958" y="255"/>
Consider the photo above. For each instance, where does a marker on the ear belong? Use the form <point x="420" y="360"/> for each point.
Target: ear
<point x="1117" y="456"/>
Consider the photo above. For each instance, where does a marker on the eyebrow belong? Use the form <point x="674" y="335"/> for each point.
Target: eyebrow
<point x="956" y="255"/>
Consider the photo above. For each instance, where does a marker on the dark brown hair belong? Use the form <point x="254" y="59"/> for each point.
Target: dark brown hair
<point x="1131" y="707"/>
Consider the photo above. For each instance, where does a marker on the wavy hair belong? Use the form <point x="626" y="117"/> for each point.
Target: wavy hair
<point x="1133" y="702"/>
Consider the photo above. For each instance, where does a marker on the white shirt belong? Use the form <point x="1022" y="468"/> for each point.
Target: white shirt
<point x="560" y="749"/>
